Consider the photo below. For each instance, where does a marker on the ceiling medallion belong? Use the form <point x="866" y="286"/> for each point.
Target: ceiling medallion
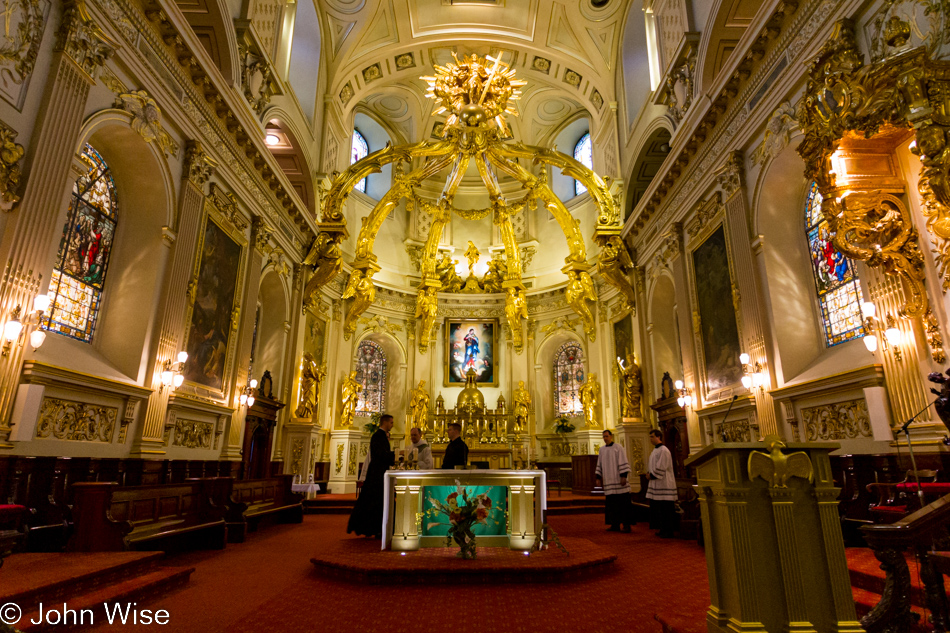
<point x="476" y="94"/>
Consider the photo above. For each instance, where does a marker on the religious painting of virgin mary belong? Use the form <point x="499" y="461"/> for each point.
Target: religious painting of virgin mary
<point x="470" y="345"/>
<point x="210" y="330"/>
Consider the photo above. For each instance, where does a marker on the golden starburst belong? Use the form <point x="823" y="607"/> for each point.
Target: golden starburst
<point x="474" y="92"/>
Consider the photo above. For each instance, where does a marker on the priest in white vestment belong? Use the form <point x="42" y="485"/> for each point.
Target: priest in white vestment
<point x="612" y="470"/>
<point x="661" y="490"/>
<point x="421" y="449"/>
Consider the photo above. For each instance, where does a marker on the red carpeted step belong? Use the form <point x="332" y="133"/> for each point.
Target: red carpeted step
<point x="28" y="578"/>
<point x="132" y="590"/>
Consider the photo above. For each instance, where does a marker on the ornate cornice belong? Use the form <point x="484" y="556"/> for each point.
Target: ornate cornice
<point x="81" y="39"/>
<point x="198" y="165"/>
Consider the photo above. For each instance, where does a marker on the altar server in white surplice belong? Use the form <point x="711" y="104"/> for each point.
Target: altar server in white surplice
<point x="421" y="448"/>
<point x="612" y="470"/>
<point x="662" y="488"/>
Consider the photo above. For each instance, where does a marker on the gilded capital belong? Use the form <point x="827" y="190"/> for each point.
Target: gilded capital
<point x="198" y="165"/>
<point x="81" y="39"/>
<point x="261" y="232"/>
<point x="731" y="176"/>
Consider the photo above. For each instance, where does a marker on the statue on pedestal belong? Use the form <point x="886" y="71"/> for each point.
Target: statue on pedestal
<point x="590" y="397"/>
<point x="419" y="407"/>
<point x="351" y="390"/>
<point x="311" y="375"/>
<point x="630" y="387"/>
<point x="522" y="400"/>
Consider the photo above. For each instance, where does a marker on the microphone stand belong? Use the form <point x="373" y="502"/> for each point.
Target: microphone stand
<point x="910" y="449"/>
<point x="721" y="434"/>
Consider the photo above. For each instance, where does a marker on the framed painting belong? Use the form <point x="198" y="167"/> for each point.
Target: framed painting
<point x="471" y="344"/>
<point x="214" y="291"/>
<point x="717" y="325"/>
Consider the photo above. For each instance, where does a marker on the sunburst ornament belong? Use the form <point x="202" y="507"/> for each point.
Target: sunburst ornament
<point x="474" y="92"/>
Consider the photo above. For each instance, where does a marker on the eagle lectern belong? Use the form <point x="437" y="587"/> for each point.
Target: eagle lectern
<point x="774" y="552"/>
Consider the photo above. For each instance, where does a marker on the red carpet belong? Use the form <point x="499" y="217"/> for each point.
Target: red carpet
<point x="269" y="584"/>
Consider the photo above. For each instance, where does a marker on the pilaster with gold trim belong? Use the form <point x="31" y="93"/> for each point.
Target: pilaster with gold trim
<point x="81" y="49"/>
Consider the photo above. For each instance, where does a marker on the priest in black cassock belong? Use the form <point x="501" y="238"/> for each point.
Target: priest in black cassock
<point x="456" y="452"/>
<point x="367" y="516"/>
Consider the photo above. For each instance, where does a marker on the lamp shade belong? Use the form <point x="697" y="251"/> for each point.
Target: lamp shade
<point x="254" y="384"/>
<point x="250" y="401"/>
<point x="12" y="329"/>
<point x="41" y="303"/>
<point x="167" y="376"/>
<point x="868" y="309"/>
<point x="182" y="357"/>
<point x="179" y="379"/>
<point x="870" y="342"/>
<point x="678" y="384"/>
<point x="747" y="381"/>
<point x="37" y="337"/>
<point x="893" y="335"/>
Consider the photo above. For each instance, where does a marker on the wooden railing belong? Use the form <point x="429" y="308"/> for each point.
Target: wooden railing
<point x="918" y="533"/>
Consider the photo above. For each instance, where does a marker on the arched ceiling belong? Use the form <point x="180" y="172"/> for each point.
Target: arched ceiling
<point x="567" y="51"/>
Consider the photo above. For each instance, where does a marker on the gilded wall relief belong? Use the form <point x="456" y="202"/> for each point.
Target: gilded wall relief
<point x="735" y="431"/>
<point x="23" y="24"/>
<point x="339" y="458"/>
<point x="296" y="454"/>
<point x="351" y="466"/>
<point x="76" y="421"/>
<point x="840" y="421"/>
<point x="193" y="434"/>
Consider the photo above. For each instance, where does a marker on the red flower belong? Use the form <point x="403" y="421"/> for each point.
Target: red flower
<point x="486" y="502"/>
<point x="455" y="516"/>
<point x="482" y="514"/>
<point x="452" y="496"/>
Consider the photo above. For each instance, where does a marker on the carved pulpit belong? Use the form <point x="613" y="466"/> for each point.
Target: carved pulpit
<point x="259" y="426"/>
<point x="774" y="551"/>
<point x="671" y="418"/>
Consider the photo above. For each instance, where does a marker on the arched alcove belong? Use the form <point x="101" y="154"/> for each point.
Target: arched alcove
<point x="665" y="341"/>
<point x="396" y="386"/>
<point x="792" y="300"/>
<point x="271" y="334"/>
<point x="282" y="143"/>
<point x="213" y="24"/>
<point x="727" y="21"/>
<point x="652" y="152"/>
<point x="129" y="304"/>
<point x="545" y="385"/>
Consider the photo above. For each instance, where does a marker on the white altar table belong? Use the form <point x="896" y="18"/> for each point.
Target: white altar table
<point x="404" y="495"/>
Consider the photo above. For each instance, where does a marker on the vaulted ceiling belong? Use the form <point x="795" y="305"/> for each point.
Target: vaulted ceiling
<point x="378" y="49"/>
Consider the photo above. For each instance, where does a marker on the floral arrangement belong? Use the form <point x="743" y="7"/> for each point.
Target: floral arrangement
<point x="464" y="512"/>
<point x="373" y="425"/>
<point x="562" y="425"/>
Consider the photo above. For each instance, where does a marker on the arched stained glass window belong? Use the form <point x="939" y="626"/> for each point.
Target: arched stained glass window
<point x="78" y="278"/>
<point x="583" y="153"/>
<point x="371" y="373"/>
<point x="839" y="290"/>
<point x="569" y="375"/>
<point x="358" y="152"/>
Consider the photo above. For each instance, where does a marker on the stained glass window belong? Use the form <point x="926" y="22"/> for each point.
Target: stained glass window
<point x="83" y="259"/>
<point x="371" y="373"/>
<point x="569" y="375"/>
<point x="838" y="286"/>
<point x="358" y="152"/>
<point x="583" y="153"/>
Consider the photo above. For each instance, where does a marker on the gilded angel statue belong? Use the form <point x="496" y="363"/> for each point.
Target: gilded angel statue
<point x="360" y="288"/>
<point x="419" y="407"/>
<point x="351" y="390"/>
<point x="311" y="375"/>
<point x="327" y="260"/>
<point x="590" y="398"/>
<point x="580" y="290"/>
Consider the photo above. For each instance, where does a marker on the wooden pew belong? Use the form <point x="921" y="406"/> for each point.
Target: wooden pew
<point x="255" y="499"/>
<point x="110" y="518"/>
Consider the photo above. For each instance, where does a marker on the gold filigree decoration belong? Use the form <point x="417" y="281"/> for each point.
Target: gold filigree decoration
<point x="339" y="458"/>
<point x="844" y="97"/>
<point x="76" y="421"/>
<point x="296" y="454"/>
<point x="23" y="30"/>
<point x="839" y="421"/>
<point x="934" y="337"/>
<point x="351" y="466"/>
<point x="11" y="153"/>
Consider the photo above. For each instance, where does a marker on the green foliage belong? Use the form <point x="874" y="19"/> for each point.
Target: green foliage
<point x="563" y="425"/>
<point x="373" y="425"/>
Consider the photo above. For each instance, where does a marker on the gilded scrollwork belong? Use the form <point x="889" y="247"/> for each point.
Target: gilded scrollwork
<point x="11" y="153"/>
<point x="934" y="337"/>
<point x="147" y="119"/>
<point x="81" y="39"/>
<point x="296" y="454"/>
<point x="839" y="421"/>
<point x="339" y="458"/>
<point x="351" y="466"/>
<point x="76" y="421"/>
<point x="23" y="30"/>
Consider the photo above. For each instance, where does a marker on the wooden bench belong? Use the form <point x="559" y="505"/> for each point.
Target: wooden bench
<point x="255" y="499"/>
<point x="112" y="518"/>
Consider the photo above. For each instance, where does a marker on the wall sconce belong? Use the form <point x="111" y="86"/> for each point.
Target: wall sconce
<point x="14" y="327"/>
<point x="171" y="372"/>
<point x="753" y="376"/>
<point x="685" y="397"/>
<point x="247" y="394"/>
<point x="892" y="336"/>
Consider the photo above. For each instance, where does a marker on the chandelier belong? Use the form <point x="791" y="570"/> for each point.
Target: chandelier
<point x="477" y="94"/>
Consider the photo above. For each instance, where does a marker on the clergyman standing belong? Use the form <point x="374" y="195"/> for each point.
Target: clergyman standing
<point x="421" y="446"/>
<point x="456" y="452"/>
<point x="367" y="516"/>
<point x="661" y="490"/>
<point x="612" y="470"/>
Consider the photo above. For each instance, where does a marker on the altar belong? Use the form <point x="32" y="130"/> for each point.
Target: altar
<point x="406" y="497"/>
